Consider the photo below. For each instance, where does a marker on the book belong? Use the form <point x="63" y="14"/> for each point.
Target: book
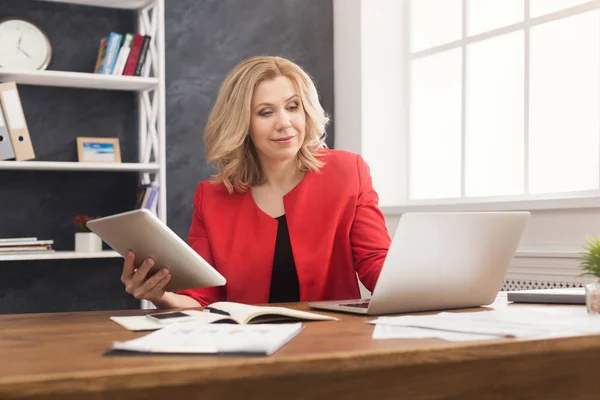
<point x="123" y="54"/>
<point x="147" y="196"/>
<point x="11" y="250"/>
<point x="112" y="49"/>
<point x="25" y="246"/>
<point x="152" y="198"/>
<point x="198" y="338"/>
<point x="143" y="53"/>
<point x="18" y="239"/>
<point x="134" y="54"/>
<point x="21" y="243"/>
<point x="101" y="55"/>
<point x="230" y="313"/>
<point x="247" y="314"/>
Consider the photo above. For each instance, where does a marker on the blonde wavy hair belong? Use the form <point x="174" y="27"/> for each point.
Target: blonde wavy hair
<point x="226" y="135"/>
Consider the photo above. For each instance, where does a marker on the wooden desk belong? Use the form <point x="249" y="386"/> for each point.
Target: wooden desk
<point x="60" y="356"/>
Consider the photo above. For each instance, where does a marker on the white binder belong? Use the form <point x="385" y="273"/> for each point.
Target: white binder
<point x="6" y="148"/>
<point x="15" y="121"/>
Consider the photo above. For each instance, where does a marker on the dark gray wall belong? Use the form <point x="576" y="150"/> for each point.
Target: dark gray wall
<point x="204" y="40"/>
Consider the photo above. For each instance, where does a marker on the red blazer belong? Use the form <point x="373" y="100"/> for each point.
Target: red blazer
<point x="336" y="229"/>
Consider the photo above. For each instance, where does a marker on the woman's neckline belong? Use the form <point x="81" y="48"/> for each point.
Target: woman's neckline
<point x="289" y="193"/>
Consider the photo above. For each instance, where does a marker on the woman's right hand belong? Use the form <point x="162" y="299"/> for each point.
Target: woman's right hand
<point x="138" y="284"/>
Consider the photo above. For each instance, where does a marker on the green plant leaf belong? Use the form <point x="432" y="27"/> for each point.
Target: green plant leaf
<point x="589" y="260"/>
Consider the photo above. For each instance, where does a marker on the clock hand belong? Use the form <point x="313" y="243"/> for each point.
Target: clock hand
<point x="20" y="49"/>
<point x="19" y="43"/>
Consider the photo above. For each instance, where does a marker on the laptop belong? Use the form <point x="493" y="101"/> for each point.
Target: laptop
<point x="441" y="260"/>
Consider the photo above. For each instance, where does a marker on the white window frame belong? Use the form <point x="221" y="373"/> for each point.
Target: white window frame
<point x="370" y="58"/>
<point x="579" y="199"/>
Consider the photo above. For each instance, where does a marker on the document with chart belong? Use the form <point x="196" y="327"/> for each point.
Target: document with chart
<point x="194" y="337"/>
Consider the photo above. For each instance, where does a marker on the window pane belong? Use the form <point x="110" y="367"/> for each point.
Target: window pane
<point x="542" y="7"/>
<point x="494" y="119"/>
<point x="434" y="22"/>
<point x="564" y="123"/>
<point x="435" y="126"/>
<point x="486" y="15"/>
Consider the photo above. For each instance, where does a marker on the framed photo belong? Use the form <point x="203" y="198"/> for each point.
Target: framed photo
<point x="91" y="149"/>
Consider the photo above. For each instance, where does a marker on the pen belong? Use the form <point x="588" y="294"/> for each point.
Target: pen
<point x="216" y="311"/>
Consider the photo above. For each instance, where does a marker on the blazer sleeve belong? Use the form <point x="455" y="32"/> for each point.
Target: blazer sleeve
<point x="198" y="240"/>
<point x="369" y="236"/>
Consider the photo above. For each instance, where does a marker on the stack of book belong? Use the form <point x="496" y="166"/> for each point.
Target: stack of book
<point x="122" y="54"/>
<point x="25" y="245"/>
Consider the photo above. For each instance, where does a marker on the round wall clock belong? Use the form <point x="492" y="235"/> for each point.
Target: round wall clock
<point x="23" y="45"/>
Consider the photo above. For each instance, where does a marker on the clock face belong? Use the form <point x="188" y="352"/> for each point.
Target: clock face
<point x="23" y="45"/>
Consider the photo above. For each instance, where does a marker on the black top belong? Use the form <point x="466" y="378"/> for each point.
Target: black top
<point x="284" y="280"/>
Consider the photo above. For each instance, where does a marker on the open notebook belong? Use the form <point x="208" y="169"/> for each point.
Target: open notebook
<point x="230" y="313"/>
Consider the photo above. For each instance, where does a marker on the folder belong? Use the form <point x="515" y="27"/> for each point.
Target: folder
<point x="6" y="148"/>
<point x="15" y="121"/>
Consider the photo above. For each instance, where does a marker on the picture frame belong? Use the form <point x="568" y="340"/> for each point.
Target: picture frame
<point x="94" y="149"/>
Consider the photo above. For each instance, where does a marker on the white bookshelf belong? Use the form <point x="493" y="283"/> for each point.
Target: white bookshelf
<point x="78" y="166"/>
<point x="80" y="80"/>
<point x="58" y="255"/>
<point x="122" y="4"/>
<point x="150" y="88"/>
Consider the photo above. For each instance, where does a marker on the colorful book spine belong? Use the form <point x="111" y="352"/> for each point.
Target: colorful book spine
<point x="143" y="55"/>
<point x="134" y="54"/>
<point x="147" y="196"/>
<point x="101" y="55"/>
<point x="123" y="54"/>
<point x="112" y="50"/>
<point x="152" y="198"/>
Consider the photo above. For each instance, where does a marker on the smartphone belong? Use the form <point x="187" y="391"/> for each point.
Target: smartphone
<point x="170" y="317"/>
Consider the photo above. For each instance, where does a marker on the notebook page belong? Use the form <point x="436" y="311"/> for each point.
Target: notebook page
<point x="245" y="312"/>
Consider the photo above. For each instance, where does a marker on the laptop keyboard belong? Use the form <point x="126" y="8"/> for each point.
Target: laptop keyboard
<point x="363" y="304"/>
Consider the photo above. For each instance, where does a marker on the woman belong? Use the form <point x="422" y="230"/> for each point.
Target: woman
<point x="284" y="219"/>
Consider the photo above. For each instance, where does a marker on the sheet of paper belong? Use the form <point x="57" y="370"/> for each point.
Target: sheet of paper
<point x="403" y="332"/>
<point x="137" y="323"/>
<point x="143" y="323"/>
<point x="196" y="337"/>
<point x="519" y="322"/>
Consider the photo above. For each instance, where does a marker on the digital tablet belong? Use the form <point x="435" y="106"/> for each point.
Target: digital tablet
<point x="144" y="233"/>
